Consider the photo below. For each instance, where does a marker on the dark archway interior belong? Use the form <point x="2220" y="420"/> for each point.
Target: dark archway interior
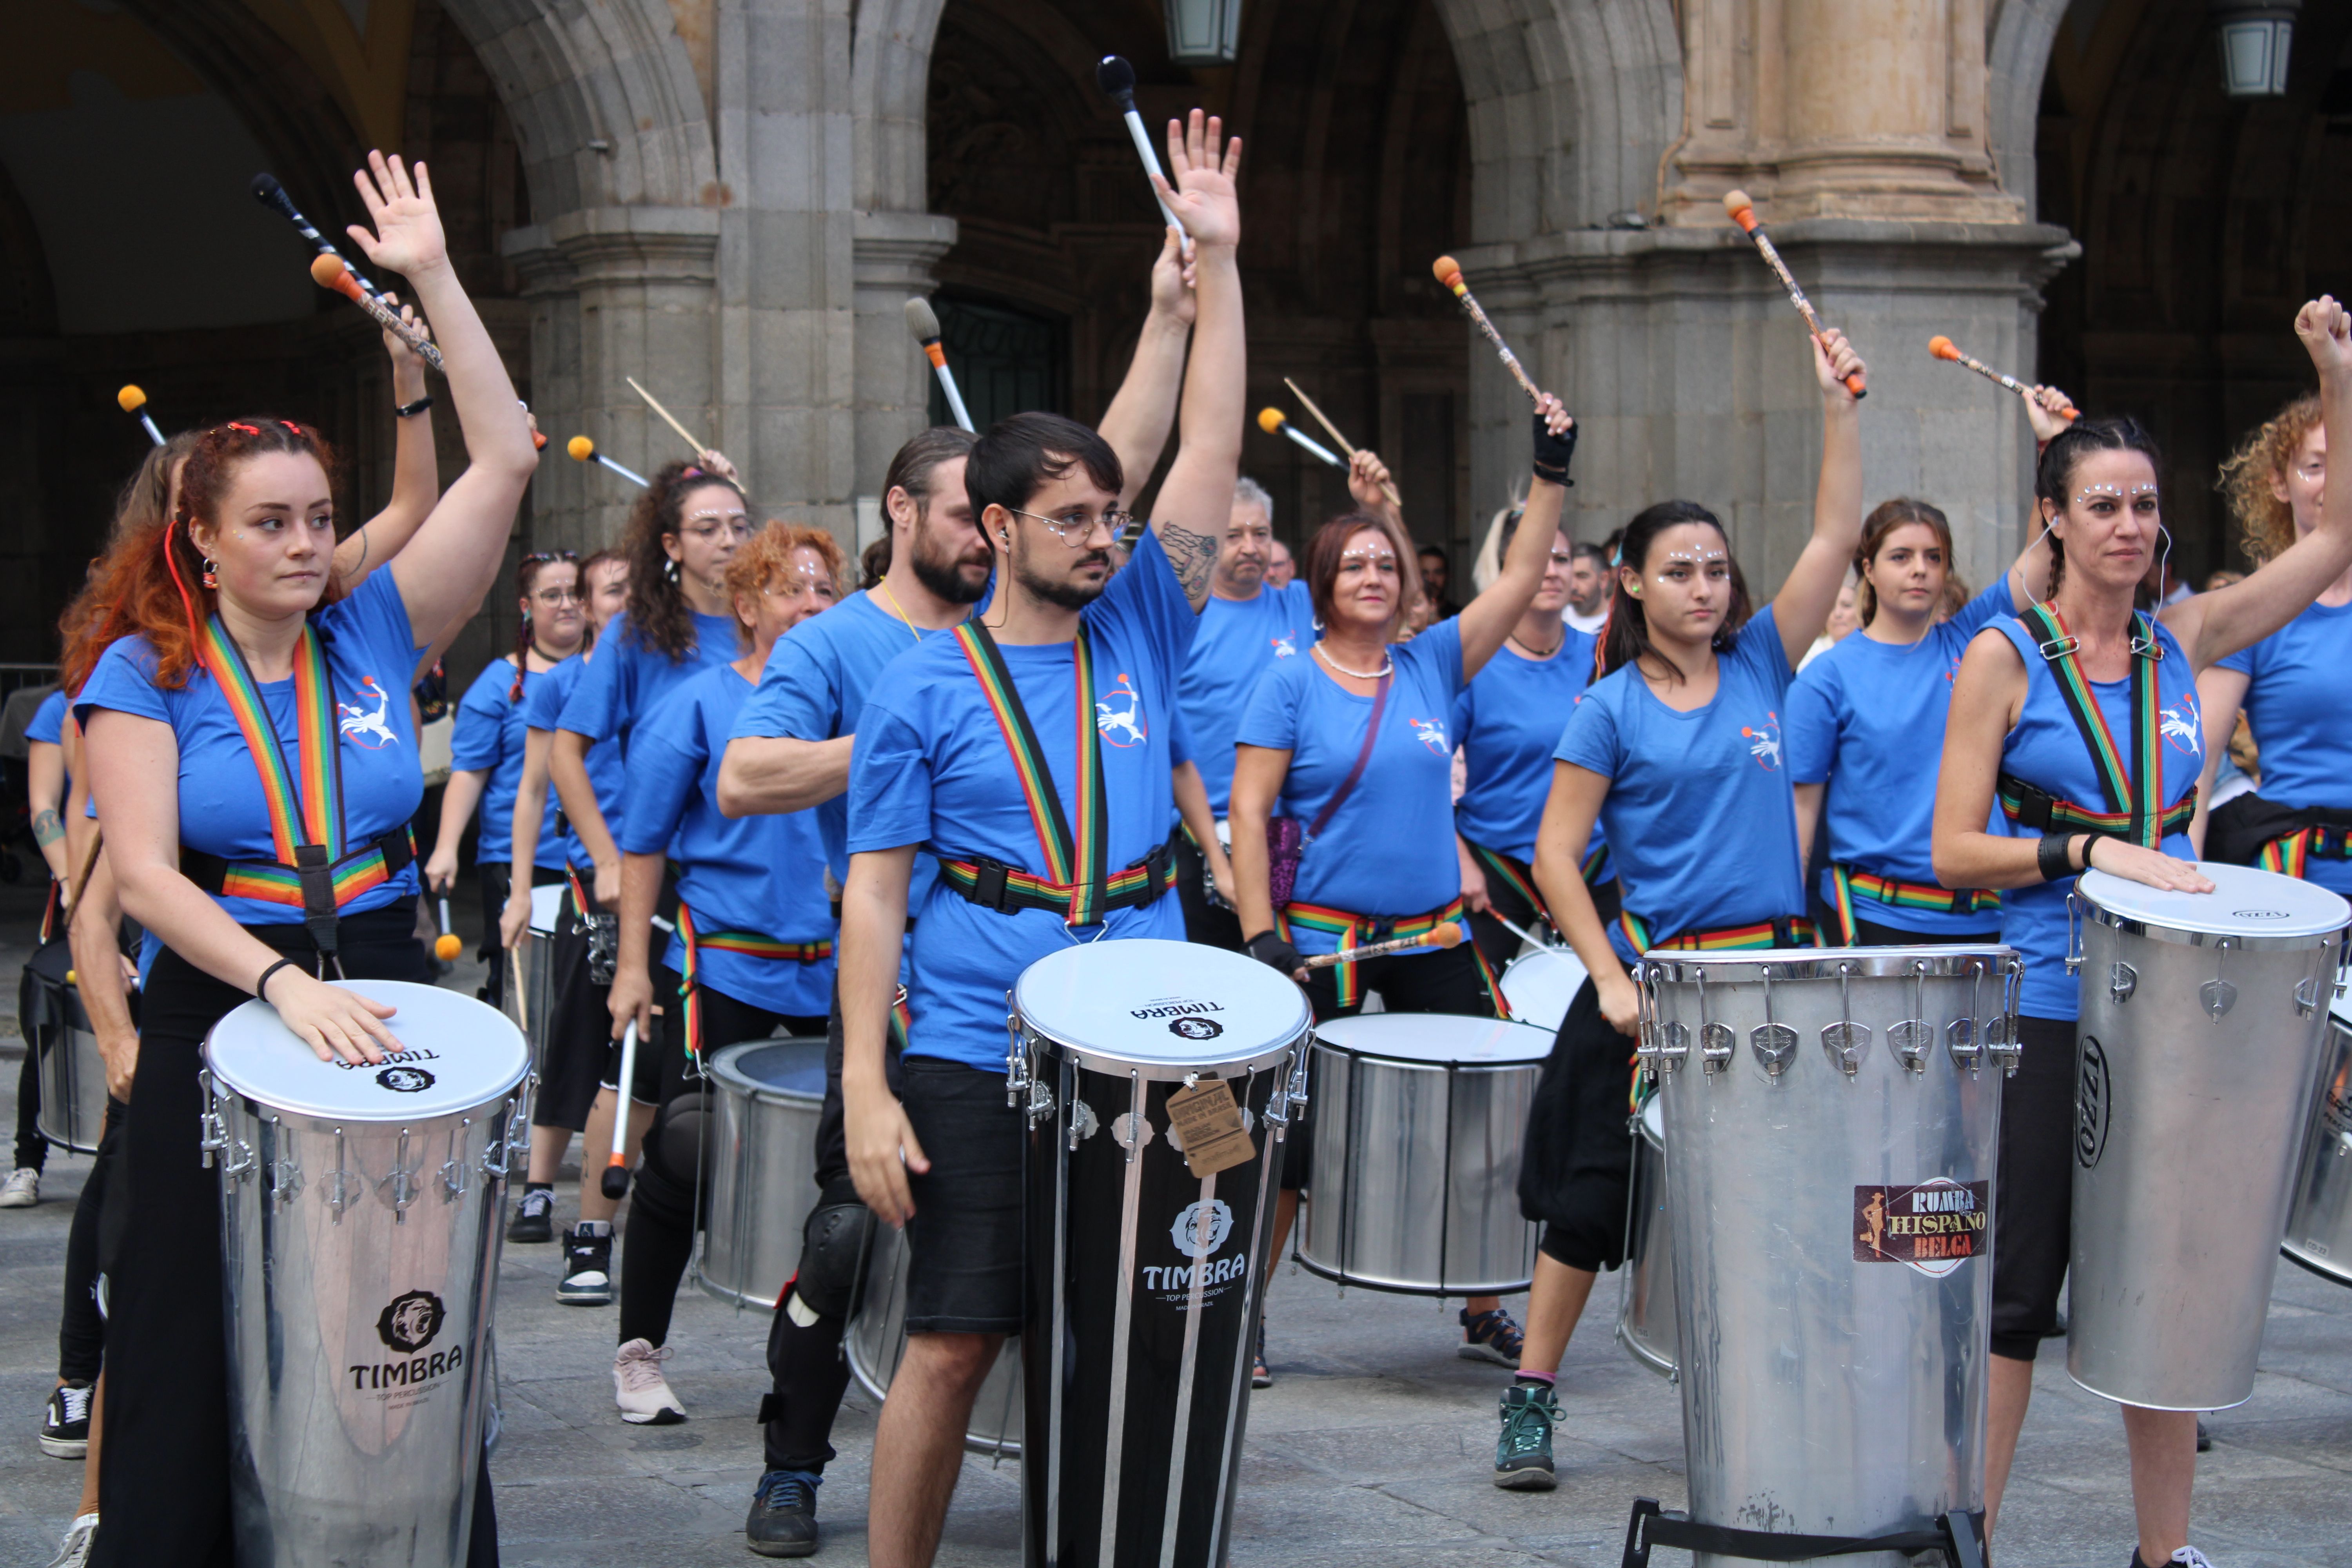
<point x="2205" y="222"/>
<point x="1357" y="176"/>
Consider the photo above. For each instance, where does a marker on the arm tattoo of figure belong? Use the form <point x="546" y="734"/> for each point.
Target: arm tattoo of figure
<point x="47" y="827"/>
<point x="1193" y="556"/>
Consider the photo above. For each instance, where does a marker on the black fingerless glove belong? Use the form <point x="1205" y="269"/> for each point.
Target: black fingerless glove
<point x="1272" y="949"/>
<point x="1553" y="452"/>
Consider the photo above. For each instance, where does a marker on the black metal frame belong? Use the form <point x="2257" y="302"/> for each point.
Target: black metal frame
<point x="1958" y="1538"/>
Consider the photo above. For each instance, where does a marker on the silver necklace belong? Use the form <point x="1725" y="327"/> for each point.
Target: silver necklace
<point x="1387" y="663"/>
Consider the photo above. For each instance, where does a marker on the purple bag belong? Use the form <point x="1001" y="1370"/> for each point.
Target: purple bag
<point x="1286" y="842"/>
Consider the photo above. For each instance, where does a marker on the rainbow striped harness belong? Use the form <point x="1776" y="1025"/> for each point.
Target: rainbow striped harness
<point x="2133" y="812"/>
<point x="749" y="944"/>
<point x="1787" y="930"/>
<point x="1848" y="880"/>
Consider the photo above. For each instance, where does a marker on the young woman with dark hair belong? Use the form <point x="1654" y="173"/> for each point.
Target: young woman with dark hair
<point x="2014" y="739"/>
<point x="1675" y="753"/>
<point x="239" y="592"/>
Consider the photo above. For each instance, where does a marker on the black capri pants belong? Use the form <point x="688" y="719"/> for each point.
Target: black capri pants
<point x="1579" y="1158"/>
<point x="2034" y="1194"/>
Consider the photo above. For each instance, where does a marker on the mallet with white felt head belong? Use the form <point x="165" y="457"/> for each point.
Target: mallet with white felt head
<point x="1743" y="213"/>
<point x="1944" y="348"/>
<point x="583" y="450"/>
<point x="1273" y="422"/>
<point x="924" y="323"/>
<point x="133" y="401"/>
<point x="1116" y="78"/>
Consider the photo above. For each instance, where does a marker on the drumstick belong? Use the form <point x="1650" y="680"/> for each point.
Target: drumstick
<point x="446" y="947"/>
<point x="1449" y="272"/>
<point x="1520" y="931"/>
<point x="327" y="270"/>
<point x="583" y="450"/>
<point x="1308" y="403"/>
<point x="699" y="448"/>
<point x="132" y="400"/>
<point x="1116" y="78"/>
<point x="1743" y="213"/>
<point x="617" y="1165"/>
<point x="1273" y="422"/>
<point x="521" y="991"/>
<point x="1944" y="348"/>
<point x="1446" y="934"/>
<point x="924" y="322"/>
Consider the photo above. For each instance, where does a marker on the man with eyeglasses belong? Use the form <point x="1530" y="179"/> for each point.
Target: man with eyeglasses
<point x="934" y="771"/>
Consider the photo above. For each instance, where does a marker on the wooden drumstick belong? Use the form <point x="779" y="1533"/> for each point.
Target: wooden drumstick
<point x="1449" y="272"/>
<point x="328" y="271"/>
<point x="1743" y="213"/>
<point x="1944" y="348"/>
<point x="521" y="991"/>
<point x="1446" y="934"/>
<point x="1308" y="403"/>
<point x="651" y="403"/>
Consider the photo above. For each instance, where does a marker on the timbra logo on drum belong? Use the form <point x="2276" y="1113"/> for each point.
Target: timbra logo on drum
<point x="1934" y="1227"/>
<point x="1200" y="1229"/>
<point x="408" y="1324"/>
<point x="2091" y="1098"/>
<point x="1183" y="1016"/>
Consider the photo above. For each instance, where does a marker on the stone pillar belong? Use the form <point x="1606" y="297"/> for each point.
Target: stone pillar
<point x="894" y="253"/>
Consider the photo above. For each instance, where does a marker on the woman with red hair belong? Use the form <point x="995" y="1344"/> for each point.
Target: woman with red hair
<point x="248" y="652"/>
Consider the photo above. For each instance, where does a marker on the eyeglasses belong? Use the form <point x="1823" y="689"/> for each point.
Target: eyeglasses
<point x="559" y="596"/>
<point x="1076" y="527"/>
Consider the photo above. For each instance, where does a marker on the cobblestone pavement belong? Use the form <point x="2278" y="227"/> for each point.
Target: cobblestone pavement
<point x="1373" y="1447"/>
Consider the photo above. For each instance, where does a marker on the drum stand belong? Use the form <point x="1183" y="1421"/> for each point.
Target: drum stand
<point x="1956" y="1539"/>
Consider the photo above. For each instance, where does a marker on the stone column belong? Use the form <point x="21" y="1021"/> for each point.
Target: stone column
<point x="894" y="252"/>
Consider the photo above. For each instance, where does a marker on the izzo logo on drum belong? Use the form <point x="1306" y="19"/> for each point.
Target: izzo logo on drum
<point x="2092" y="1094"/>
<point x="1200" y="1230"/>
<point x="1184" y="1016"/>
<point x="408" y="1325"/>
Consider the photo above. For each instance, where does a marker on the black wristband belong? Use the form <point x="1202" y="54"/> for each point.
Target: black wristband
<point x="411" y="410"/>
<point x="2054" y="856"/>
<point x="261" y="986"/>
<point x="1553" y="453"/>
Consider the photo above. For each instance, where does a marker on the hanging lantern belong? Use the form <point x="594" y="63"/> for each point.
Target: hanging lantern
<point x="1204" y="32"/>
<point x="2255" y="35"/>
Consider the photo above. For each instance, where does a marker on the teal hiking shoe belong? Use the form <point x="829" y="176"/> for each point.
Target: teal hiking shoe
<point x="1523" y="1453"/>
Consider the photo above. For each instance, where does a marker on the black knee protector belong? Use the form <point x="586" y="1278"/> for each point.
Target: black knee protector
<point x="834" y="1245"/>
<point x="674" y="1144"/>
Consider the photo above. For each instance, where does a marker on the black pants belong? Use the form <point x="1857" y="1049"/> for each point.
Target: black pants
<point x="164" y="1472"/>
<point x="1578" y="1159"/>
<point x="1211" y="925"/>
<point x="1494" y="938"/>
<point x="1444" y="981"/>
<point x="31" y="1149"/>
<point x="579" y="1025"/>
<point x="2033" y="1198"/>
<point x="659" y="1240"/>
<point x="81" y="1331"/>
<point x="1870" y="933"/>
<point x="495" y="882"/>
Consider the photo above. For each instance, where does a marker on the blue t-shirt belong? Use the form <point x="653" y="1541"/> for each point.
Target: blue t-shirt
<point x="544" y="702"/>
<point x="2046" y="750"/>
<point x="756" y="874"/>
<point x="1508" y="719"/>
<point x="1867" y="717"/>
<point x="627" y="679"/>
<point x="1239" y="640"/>
<point x="813" y="689"/>
<point x="2295" y="705"/>
<point x="1701" y="819"/>
<point x="487" y="738"/>
<point x="1389" y="850"/>
<point x="48" y="719"/>
<point x="930" y="768"/>
<point x="369" y="653"/>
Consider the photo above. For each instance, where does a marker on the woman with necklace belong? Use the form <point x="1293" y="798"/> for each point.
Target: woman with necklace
<point x="2022" y="732"/>
<point x="486" y="751"/>
<point x="1675" y="753"/>
<point x="1352" y="744"/>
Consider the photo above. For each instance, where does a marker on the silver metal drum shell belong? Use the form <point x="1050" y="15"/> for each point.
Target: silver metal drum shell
<point x="1645" y="1314"/>
<point x="763" y="1152"/>
<point x="875" y="1342"/>
<point x="357" y="1329"/>
<point x="2319" y="1219"/>
<point x="1415" y="1175"/>
<point x="1823" y="1394"/>
<point x="73" y="1081"/>
<point x="2188" y="1120"/>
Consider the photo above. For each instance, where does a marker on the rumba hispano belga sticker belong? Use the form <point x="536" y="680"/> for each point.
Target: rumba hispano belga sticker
<point x="1932" y="1228"/>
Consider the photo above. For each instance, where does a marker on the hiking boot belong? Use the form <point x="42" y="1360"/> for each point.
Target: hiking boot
<point x="1523" y="1453"/>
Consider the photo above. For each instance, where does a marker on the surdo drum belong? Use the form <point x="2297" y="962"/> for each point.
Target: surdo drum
<point x="769" y="1095"/>
<point x="1541" y="983"/>
<point x="2197" y="1062"/>
<point x="877" y="1342"/>
<point x="360" y="1209"/>
<point x="2319" y="1220"/>
<point x="71" y="1068"/>
<point x="1645" y="1315"/>
<point x="1830" y="1125"/>
<point x="1157" y="1078"/>
<point x="537" y="965"/>
<point x="1420" y="1121"/>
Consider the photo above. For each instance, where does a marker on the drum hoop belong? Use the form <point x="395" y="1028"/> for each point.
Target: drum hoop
<point x="743" y="1086"/>
<point x="1426" y="1064"/>
<point x="1094" y="1058"/>
<point x="1675" y="966"/>
<point x="2178" y="936"/>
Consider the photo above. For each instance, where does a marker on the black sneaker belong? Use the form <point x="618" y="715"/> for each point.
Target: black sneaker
<point x="1523" y="1453"/>
<point x="1260" y="1377"/>
<point x="587" y="1268"/>
<point x="65" y="1422"/>
<point x="534" y="1217"/>
<point x="782" y="1522"/>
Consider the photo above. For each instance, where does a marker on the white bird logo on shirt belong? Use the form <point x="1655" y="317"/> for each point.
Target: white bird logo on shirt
<point x="2183" y="727"/>
<point x="359" y="723"/>
<point x="1122" y="715"/>
<point x="1284" y="645"/>
<point x="1431" y="733"/>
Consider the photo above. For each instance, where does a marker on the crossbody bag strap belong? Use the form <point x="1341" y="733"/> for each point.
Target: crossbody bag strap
<point x="1075" y="859"/>
<point x="2134" y="788"/>
<point x="1347" y="784"/>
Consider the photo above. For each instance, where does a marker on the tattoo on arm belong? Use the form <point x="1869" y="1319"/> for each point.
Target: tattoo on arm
<point x="359" y="566"/>
<point x="1193" y="556"/>
<point x="47" y="829"/>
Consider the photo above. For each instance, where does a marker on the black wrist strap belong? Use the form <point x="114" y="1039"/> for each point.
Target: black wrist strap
<point x="2054" y="856"/>
<point x="410" y="410"/>
<point x="261" y="986"/>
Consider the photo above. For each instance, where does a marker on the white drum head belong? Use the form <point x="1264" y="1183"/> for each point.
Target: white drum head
<point x="1437" y="1037"/>
<point x="1540" y="987"/>
<point x="1654" y="1121"/>
<point x="459" y="1053"/>
<point x="1163" y="1008"/>
<point x="2244" y="902"/>
<point x="544" y="902"/>
<point x="785" y="1069"/>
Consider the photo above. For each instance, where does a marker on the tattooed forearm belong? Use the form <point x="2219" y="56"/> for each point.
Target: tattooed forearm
<point x="47" y="829"/>
<point x="1193" y="555"/>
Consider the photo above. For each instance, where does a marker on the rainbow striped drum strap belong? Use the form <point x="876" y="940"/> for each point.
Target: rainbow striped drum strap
<point x="1075" y="876"/>
<point x="2291" y="854"/>
<point x="752" y="944"/>
<point x="1355" y="931"/>
<point x="2135" y="793"/>
<point x="1846" y="880"/>
<point x="1789" y="931"/>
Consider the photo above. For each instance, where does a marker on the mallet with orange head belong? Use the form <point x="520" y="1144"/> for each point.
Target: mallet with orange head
<point x="924" y="323"/>
<point x="446" y="947"/>
<point x="1743" y="213"/>
<point x="1449" y="272"/>
<point x="583" y="450"/>
<point x="1446" y="934"/>
<point x="1944" y="348"/>
<point x="615" y="1180"/>
<point x="133" y="401"/>
<point x="1273" y="422"/>
<point x="1324" y="419"/>
<point x="327" y="270"/>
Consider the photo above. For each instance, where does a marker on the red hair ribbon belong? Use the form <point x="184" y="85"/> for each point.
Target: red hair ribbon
<point x="247" y="429"/>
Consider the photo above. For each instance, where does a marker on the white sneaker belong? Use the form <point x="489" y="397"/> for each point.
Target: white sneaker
<point x="22" y="1190"/>
<point x="640" y="1389"/>
<point x="73" y="1551"/>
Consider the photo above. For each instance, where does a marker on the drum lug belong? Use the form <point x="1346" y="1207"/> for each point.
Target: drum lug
<point x="1717" y="1046"/>
<point x="2074" y="936"/>
<point x="1017" y="1063"/>
<point x="2307" y="997"/>
<point x="284" y="1172"/>
<point x="2122" y="981"/>
<point x="1084" y="1123"/>
<point x="240" y="1162"/>
<point x="2218" y="997"/>
<point x="1673" y="1046"/>
<point x="1911" y="1040"/>
<point x="2002" y="1035"/>
<point x="1960" y="1044"/>
<point x="1845" y="1039"/>
<point x="1774" y="1044"/>
<point x="453" y="1172"/>
<point x="399" y="1186"/>
<point x="212" y="1135"/>
<point x="1041" y="1103"/>
<point x="1132" y="1132"/>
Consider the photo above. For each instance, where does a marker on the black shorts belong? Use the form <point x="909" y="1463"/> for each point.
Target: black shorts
<point x="832" y="1134"/>
<point x="964" y="1243"/>
<point x="1579" y="1156"/>
<point x="578" y="1029"/>
<point x="1211" y="925"/>
<point x="2033" y="1197"/>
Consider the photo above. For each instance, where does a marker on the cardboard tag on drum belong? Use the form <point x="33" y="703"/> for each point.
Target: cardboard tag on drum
<point x="1208" y="1124"/>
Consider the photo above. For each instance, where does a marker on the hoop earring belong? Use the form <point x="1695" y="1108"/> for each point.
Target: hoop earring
<point x="211" y="578"/>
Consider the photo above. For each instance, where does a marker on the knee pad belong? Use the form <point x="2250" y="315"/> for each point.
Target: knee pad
<point x="833" y="1248"/>
<point x="675" y="1142"/>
